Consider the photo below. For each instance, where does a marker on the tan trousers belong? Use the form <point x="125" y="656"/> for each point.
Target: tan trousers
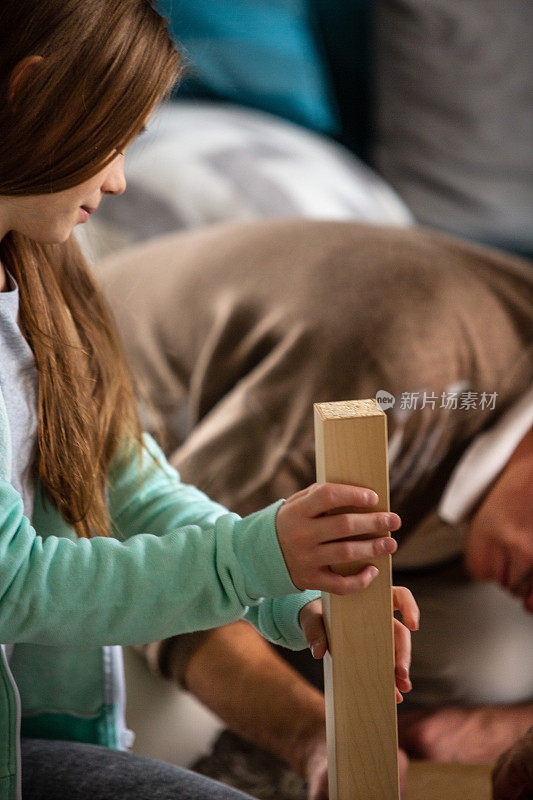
<point x="234" y="331"/>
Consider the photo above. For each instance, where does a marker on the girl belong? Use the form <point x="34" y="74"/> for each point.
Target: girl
<point x="118" y="550"/>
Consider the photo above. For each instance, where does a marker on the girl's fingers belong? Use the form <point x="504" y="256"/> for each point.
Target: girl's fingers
<point x="355" y="550"/>
<point x="402" y="656"/>
<point x="404" y="602"/>
<point x="312" y="624"/>
<point x="326" y="497"/>
<point x="343" y="526"/>
<point x="329" y="581"/>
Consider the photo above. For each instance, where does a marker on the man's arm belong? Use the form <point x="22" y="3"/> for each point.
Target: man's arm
<point x="259" y="696"/>
<point x="237" y="675"/>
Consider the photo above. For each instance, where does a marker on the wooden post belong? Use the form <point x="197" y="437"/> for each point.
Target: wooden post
<point x="351" y="447"/>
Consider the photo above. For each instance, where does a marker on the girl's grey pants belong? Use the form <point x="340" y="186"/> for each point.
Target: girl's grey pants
<point x="72" y="771"/>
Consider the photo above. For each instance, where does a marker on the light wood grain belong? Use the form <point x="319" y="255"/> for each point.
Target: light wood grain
<point x="448" y="782"/>
<point x="351" y="447"/>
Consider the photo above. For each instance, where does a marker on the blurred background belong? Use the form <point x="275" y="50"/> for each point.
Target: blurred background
<point x="381" y="110"/>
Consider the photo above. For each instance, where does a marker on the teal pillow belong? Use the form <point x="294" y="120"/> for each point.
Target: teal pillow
<point x="260" y="53"/>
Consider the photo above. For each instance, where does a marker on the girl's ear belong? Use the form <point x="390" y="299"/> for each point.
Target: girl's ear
<point x="20" y="74"/>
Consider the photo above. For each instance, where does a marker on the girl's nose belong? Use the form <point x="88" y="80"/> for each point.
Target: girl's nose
<point x="115" y="181"/>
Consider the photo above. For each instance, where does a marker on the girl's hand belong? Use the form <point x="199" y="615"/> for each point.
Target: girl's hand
<point x="310" y="540"/>
<point x="312" y="624"/>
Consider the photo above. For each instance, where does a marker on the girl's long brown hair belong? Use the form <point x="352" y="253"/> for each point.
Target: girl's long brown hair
<point x="106" y="64"/>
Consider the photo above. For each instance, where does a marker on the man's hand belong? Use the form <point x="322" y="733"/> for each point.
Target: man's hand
<point x="499" y="546"/>
<point x="475" y="735"/>
<point x="312" y="624"/>
<point x="512" y="777"/>
<point x="316" y="769"/>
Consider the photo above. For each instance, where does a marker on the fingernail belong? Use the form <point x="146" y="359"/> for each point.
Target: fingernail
<point x="373" y="571"/>
<point x="371" y="497"/>
<point x="389" y="545"/>
<point x="393" y="520"/>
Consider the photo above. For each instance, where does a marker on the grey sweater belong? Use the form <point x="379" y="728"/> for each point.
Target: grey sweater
<point x="18" y="381"/>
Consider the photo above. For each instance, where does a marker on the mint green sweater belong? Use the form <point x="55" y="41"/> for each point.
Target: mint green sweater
<point x="180" y="562"/>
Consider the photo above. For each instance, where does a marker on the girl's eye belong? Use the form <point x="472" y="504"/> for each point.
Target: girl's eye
<point x="121" y="152"/>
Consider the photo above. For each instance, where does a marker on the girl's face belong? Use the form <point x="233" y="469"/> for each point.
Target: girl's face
<point x="50" y="218"/>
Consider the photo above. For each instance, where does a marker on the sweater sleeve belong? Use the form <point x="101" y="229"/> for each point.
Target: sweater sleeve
<point x="150" y="497"/>
<point x="205" y="567"/>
